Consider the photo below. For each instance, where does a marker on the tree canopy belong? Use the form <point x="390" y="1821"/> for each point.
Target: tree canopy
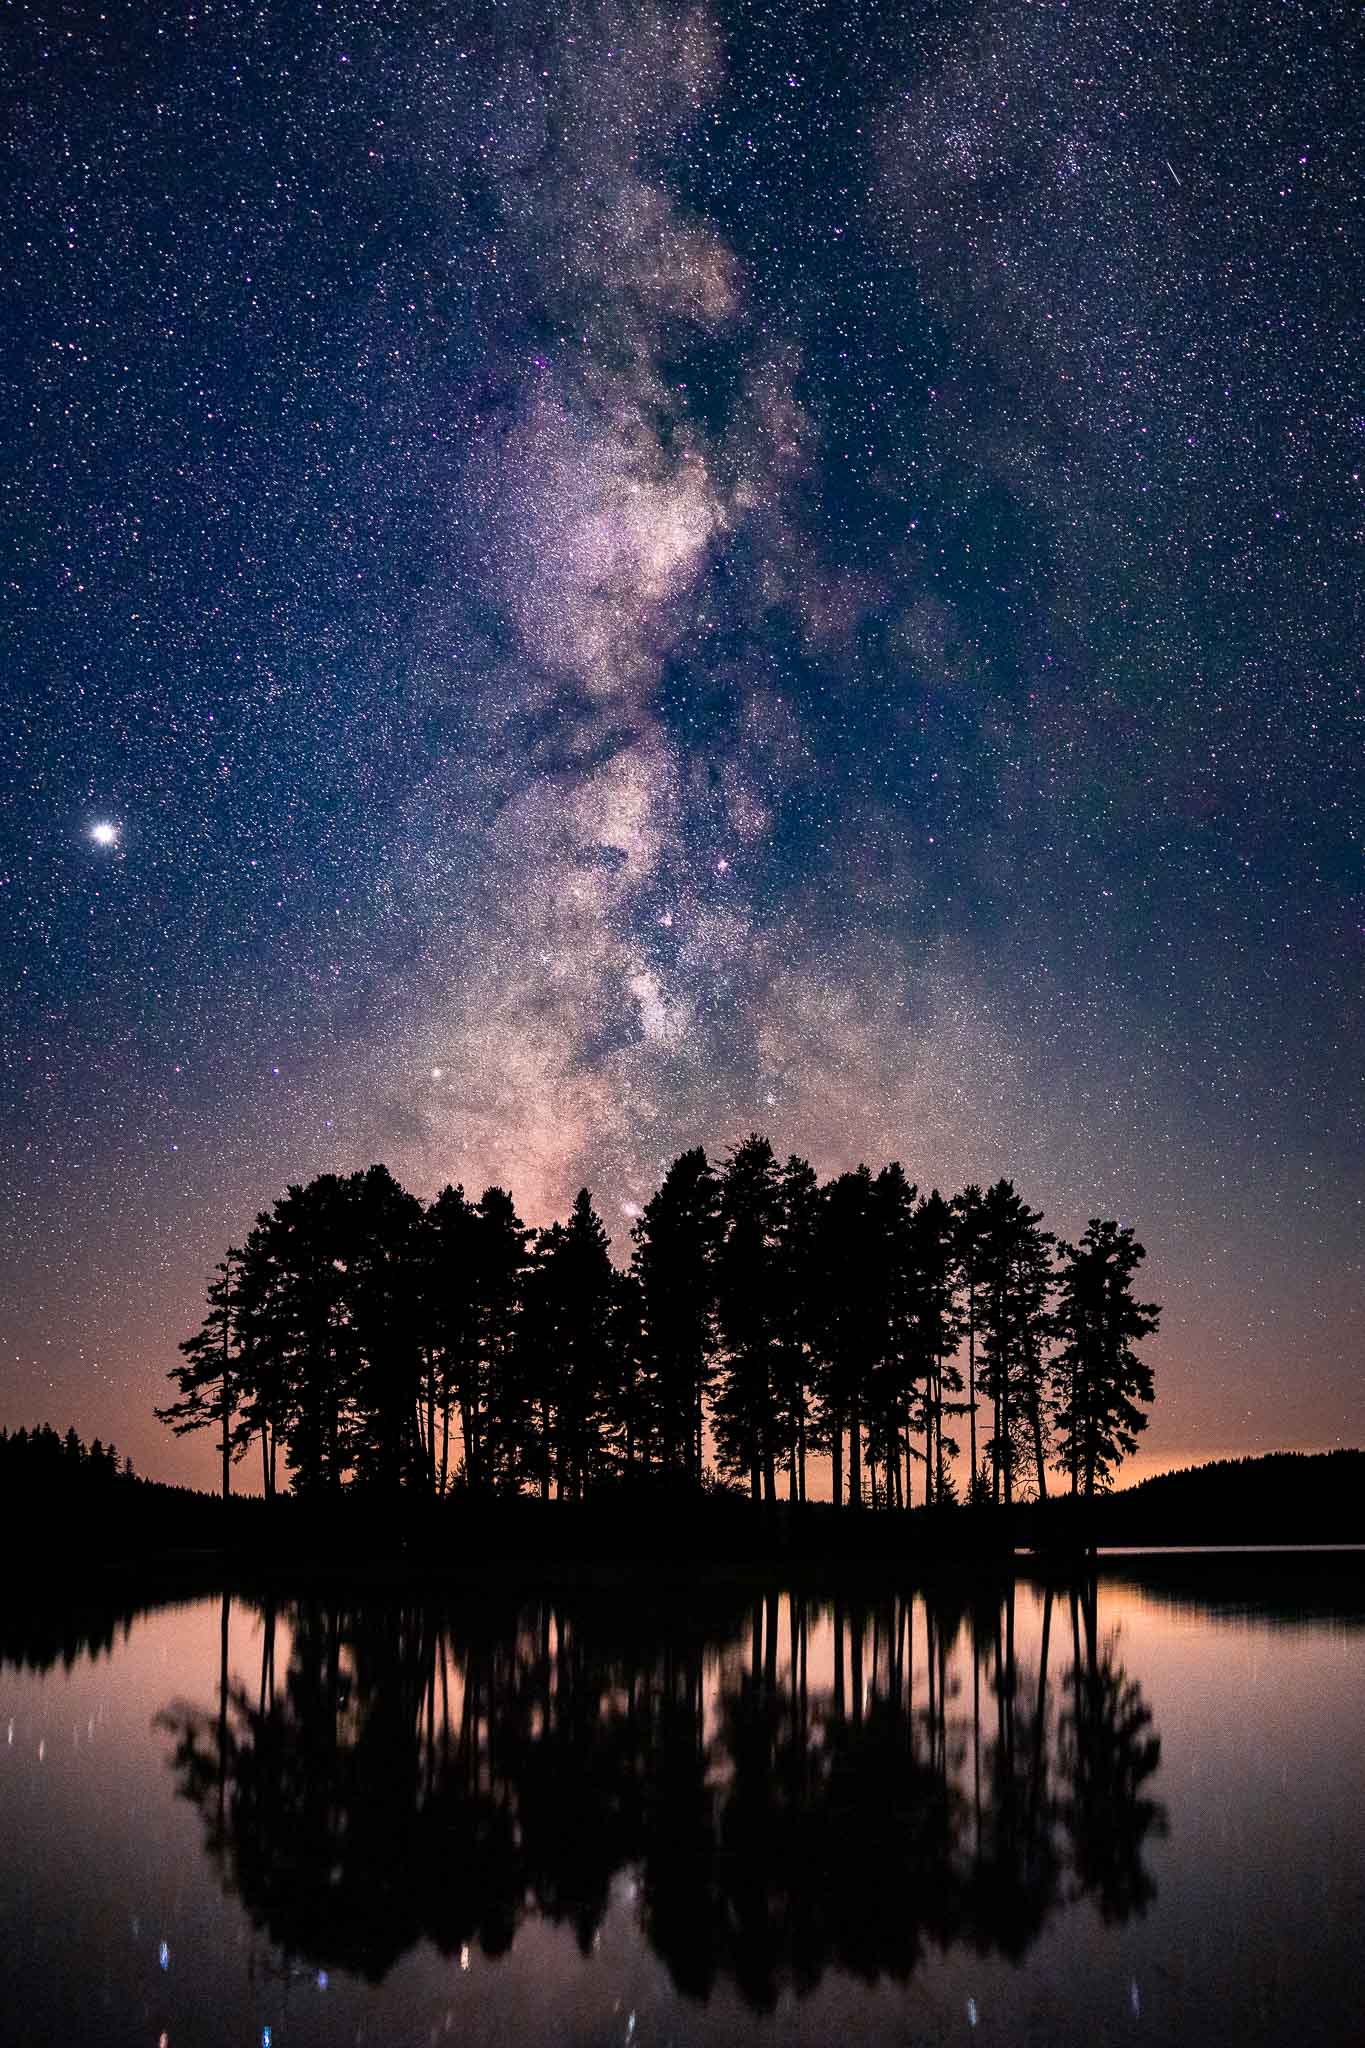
<point x="389" y="1345"/>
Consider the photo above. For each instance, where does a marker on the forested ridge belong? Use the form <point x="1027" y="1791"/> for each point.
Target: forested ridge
<point x="361" y="1340"/>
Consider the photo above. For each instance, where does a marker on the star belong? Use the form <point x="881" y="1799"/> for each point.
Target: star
<point x="104" y="833"/>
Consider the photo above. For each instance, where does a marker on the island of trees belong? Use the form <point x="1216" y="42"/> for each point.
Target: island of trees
<point x="360" y="1341"/>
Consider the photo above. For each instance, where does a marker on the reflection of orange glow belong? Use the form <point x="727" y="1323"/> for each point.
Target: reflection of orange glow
<point x="1244" y="1730"/>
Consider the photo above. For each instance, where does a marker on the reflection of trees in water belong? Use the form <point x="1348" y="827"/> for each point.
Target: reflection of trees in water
<point x="37" y="1633"/>
<point x="791" y="1786"/>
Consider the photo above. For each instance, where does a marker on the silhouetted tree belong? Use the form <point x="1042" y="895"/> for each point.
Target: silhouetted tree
<point x="1098" y="1378"/>
<point x="305" y="1234"/>
<point x="936" y="1335"/>
<point x="579" y="1276"/>
<point x="967" y="1232"/>
<point x="451" y="1298"/>
<point x="626" y="1411"/>
<point x="1015" y="1271"/>
<point x="269" y="1354"/>
<point x="210" y="1381"/>
<point x="849" y="1301"/>
<point x="675" y="1252"/>
<point x="378" y="1246"/>
<point x="502" y="1263"/>
<point x="793" y="1357"/>
<point x="749" y="1303"/>
<point x="900" y="1370"/>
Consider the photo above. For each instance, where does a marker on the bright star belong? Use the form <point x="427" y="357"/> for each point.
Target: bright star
<point x="104" y="833"/>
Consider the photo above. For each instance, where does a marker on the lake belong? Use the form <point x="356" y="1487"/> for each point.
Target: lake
<point x="1128" y="1810"/>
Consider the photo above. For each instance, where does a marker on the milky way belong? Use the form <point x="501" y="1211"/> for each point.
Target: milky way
<point x="573" y="590"/>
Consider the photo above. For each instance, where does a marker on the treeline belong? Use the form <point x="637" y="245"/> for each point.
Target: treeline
<point x="39" y="1460"/>
<point x="363" y="1339"/>
<point x="96" y="1514"/>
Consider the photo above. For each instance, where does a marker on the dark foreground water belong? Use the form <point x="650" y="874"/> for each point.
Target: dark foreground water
<point x="1125" y="1813"/>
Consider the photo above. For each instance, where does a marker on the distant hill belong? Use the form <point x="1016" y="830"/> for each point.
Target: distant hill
<point x="1284" y="1497"/>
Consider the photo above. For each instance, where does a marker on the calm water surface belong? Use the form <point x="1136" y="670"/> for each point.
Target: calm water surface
<point x="1124" y="1813"/>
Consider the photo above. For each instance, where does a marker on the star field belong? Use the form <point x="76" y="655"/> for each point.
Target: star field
<point x="573" y="588"/>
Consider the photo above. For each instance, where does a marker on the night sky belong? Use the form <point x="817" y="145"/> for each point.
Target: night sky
<point x="572" y="590"/>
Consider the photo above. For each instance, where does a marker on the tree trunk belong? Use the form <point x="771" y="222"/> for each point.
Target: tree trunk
<point x="1006" y="1445"/>
<point x="837" y="1491"/>
<point x="467" y="1437"/>
<point x="1073" y="1452"/>
<point x="1038" y="1456"/>
<point x="855" y="1459"/>
<point x="938" y="1428"/>
<point x="971" y="1377"/>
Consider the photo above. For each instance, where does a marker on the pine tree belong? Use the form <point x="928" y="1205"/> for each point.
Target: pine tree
<point x="209" y="1380"/>
<point x="626" y="1412"/>
<point x="450" y="1303"/>
<point x="586" y="1287"/>
<point x="676" y="1242"/>
<point x="936" y="1338"/>
<point x="307" y="1245"/>
<point x="540" y="1358"/>
<point x="502" y="1260"/>
<point x="849" y="1316"/>
<point x="794" y="1362"/>
<point x="749" y="1305"/>
<point x="266" y="1353"/>
<point x="967" y="1227"/>
<point x="1097" y="1376"/>
<point x="1015" y="1273"/>
<point x="378" y="1231"/>
<point x="900" y="1369"/>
